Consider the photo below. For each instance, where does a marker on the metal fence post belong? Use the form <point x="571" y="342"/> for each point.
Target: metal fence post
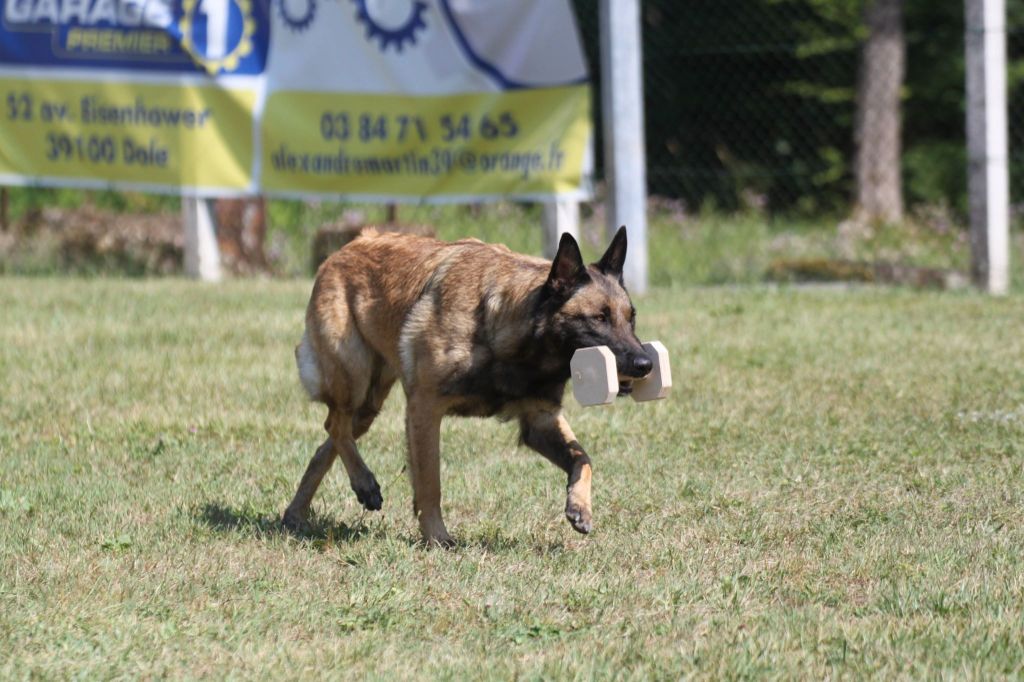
<point x="202" y="255"/>
<point x="987" y="146"/>
<point x="558" y="216"/>
<point x="622" y="104"/>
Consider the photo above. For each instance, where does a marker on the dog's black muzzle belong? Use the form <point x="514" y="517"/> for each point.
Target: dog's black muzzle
<point x="631" y="365"/>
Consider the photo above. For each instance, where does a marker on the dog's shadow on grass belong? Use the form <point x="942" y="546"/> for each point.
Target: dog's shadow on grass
<point x="321" y="529"/>
<point x="226" y="519"/>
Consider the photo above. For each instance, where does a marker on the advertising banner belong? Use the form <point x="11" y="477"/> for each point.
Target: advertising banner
<point x="442" y="100"/>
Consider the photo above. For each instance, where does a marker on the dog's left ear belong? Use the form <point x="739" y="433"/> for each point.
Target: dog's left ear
<point x="567" y="269"/>
<point x="615" y="257"/>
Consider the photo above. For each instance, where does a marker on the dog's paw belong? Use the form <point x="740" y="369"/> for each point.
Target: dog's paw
<point x="294" y="520"/>
<point x="443" y="541"/>
<point x="370" y="496"/>
<point x="433" y="531"/>
<point x="579" y="518"/>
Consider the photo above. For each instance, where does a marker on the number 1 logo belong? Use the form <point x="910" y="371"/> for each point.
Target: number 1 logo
<point x="216" y="13"/>
<point x="217" y="33"/>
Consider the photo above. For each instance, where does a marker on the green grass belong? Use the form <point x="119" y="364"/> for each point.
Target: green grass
<point x="835" y="488"/>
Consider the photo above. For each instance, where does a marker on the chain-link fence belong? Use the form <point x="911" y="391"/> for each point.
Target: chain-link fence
<point x="753" y="102"/>
<point x="1015" y="81"/>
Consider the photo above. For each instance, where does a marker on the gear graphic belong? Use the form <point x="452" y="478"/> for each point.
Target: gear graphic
<point x="302" y="21"/>
<point x="399" y="37"/>
<point x="242" y="48"/>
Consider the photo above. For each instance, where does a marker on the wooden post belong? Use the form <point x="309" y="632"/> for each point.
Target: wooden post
<point x="987" y="147"/>
<point x="622" y="104"/>
<point x="3" y="209"/>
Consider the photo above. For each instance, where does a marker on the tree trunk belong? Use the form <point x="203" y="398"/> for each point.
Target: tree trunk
<point x="878" y="122"/>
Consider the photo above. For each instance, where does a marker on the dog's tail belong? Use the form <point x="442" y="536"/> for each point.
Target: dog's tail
<point x="309" y="368"/>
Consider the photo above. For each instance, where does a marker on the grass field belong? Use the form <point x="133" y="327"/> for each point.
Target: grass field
<point x="835" y="488"/>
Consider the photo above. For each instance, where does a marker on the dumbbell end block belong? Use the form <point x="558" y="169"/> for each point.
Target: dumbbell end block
<point x="658" y="383"/>
<point x="595" y="380"/>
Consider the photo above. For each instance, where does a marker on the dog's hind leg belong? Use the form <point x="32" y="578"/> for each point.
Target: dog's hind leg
<point x="549" y="434"/>
<point x="362" y="480"/>
<point x="340" y="442"/>
<point x="380" y="385"/>
<point x="297" y="512"/>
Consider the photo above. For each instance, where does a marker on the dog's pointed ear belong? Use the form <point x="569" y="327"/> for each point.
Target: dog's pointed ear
<point x="615" y="257"/>
<point x="567" y="269"/>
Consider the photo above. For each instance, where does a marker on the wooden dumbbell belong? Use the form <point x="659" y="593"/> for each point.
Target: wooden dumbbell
<point x="596" y="382"/>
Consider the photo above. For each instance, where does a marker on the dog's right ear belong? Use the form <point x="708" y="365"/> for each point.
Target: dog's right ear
<point x="615" y="257"/>
<point x="567" y="270"/>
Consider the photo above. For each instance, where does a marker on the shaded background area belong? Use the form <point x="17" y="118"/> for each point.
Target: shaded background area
<point x="750" y="103"/>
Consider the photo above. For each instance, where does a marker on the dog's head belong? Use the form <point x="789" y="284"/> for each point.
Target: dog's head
<point x="589" y="306"/>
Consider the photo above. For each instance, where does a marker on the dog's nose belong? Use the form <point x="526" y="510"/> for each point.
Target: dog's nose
<point x="643" y="365"/>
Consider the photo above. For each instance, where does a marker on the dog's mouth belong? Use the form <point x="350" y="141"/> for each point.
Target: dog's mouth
<point x="625" y="387"/>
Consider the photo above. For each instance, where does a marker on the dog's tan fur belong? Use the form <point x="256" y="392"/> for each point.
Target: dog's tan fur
<point x="445" y="319"/>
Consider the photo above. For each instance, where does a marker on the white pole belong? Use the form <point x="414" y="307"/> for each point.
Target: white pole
<point x="987" y="150"/>
<point x="559" y="215"/>
<point x="202" y="256"/>
<point x="622" y="106"/>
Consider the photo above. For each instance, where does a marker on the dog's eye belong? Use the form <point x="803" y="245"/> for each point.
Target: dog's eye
<point x="600" y="317"/>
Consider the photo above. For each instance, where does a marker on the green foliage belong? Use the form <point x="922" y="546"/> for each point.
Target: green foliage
<point x="292" y="225"/>
<point x="936" y="174"/>
<point x="711" y="247"/>
<point x="123" y="541"/>
<point x="25" y="199"/>
<point x="708" y="248"/>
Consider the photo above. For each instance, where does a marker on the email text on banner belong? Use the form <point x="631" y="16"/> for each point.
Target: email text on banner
<point x="480" y="143"/>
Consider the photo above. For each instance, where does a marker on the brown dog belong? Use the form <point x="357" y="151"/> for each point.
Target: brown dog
<point x="470" y="329"/>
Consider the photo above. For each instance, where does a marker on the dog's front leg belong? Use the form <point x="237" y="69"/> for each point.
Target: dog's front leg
<point x="549" y="434"/>
<point x="423" y="430"/>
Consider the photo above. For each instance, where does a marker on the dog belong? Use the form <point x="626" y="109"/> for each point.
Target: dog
<point x="470" y="329"/>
